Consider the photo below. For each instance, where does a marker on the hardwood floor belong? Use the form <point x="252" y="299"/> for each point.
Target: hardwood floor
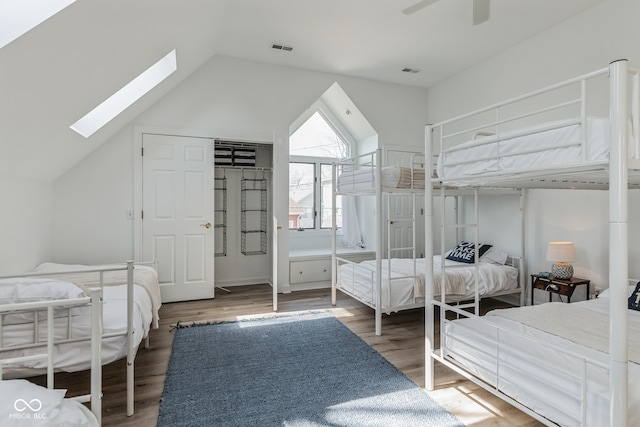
<point x="402" y="343"/>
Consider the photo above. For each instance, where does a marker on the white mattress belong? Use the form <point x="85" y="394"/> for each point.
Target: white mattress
<point x="544" y="149"/>
<point x="536" y="378"/>
<point x="407" y="288"/>
<point x="393" y="177"/>
<point x="76" y="356"/>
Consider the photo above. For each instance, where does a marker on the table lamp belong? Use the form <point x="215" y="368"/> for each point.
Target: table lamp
<point x="561" y="253"/>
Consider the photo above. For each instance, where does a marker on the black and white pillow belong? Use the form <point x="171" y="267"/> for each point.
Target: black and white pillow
<point x="634" y="298"/>
<point x="465" y="252"/>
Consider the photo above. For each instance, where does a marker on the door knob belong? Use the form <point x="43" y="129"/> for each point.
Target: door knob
<point x="207" y="225"/>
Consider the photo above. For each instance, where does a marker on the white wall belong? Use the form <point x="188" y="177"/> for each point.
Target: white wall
<point x="587" y="42"/>
<point x="26" y="224"/>
<point x="90" y="204"/>
<point x="225" y="97"/>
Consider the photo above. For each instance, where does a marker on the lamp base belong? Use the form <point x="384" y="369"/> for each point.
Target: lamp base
<point x="562" y="270"/>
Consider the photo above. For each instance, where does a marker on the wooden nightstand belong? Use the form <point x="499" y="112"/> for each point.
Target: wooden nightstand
<point x="557" y="286"/>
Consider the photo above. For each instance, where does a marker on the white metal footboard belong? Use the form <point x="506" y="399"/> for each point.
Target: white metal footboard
<point x="130" y="347"/>
<point x="53" y="309"/>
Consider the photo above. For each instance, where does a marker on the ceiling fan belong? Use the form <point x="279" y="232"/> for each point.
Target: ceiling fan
<point x="480" y="9"/>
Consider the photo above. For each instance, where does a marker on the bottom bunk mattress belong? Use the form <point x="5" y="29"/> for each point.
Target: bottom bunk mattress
<point x="16" y="329"/>
<point x="535" y="354"/>
<point x="402" y="285"/>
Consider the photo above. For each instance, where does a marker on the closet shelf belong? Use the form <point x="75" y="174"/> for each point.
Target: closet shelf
<point x="220" y="216"/>
<point x="253" y="216"/>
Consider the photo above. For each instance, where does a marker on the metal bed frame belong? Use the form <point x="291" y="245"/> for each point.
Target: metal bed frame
<point x="130" y="350"/>
<point x="94" y="300"/>
<point x="618" y="175"/>
<point x="372" y="164"/>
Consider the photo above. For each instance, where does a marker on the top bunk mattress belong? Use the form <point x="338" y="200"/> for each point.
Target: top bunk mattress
<point x="392" y="177"/>
<point x="541" y="147"/>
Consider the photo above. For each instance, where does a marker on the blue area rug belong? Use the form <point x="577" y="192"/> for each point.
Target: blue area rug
<point x="307" y="370"/>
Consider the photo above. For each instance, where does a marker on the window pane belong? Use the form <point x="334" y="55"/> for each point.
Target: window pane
<point x="326" y="199"/>
<point x="301" y="195"/>
<point x="316" y="138"/>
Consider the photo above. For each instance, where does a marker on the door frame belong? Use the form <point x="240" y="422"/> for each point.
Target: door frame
<point x="261" y="138"/>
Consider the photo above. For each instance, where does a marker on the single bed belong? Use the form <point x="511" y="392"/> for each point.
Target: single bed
<point x="403" y="281"/>
<point x="537" y="355"/>
<point x="129" y="312"/>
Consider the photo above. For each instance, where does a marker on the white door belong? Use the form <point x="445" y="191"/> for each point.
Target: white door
<point x="177" y="205"/>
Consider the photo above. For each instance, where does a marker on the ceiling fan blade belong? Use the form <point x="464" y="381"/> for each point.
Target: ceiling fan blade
<point x="418" y="6"/>
<point x="480" y="11"/>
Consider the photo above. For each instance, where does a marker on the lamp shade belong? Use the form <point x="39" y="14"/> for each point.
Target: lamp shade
<point x="561" y="252"/>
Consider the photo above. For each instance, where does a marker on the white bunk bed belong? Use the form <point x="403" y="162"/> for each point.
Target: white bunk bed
<point x="508" y="353"/>
<point x="367" y="175"/>
<point x="24" y="402"/>
<point x="131" y="299"/>
<point x="389" y="283"/>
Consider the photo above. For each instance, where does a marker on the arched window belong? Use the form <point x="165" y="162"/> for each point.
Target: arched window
<point x="313" y="147"/>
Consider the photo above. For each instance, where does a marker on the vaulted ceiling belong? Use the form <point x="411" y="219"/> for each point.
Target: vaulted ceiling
<point x="57" y="72"/>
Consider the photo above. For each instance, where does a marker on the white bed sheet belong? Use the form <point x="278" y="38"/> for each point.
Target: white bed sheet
<point x="25" y="404"/>
<point x="76" y="356"/>
<point x="359" y="280"/>
<point x="539" y="384"/>
<point x="512" y="153"/>
<point x="393" y="177"/>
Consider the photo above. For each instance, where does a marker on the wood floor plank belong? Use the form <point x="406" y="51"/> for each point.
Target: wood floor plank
<point x="402" y="343"/>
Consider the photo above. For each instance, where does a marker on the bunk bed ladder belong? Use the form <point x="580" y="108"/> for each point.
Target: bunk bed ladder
<point x="457" y="226"/>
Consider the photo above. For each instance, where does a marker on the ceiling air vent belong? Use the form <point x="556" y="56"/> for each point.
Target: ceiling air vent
<point x="281" y="47"/>
<point x="410" y="70"/>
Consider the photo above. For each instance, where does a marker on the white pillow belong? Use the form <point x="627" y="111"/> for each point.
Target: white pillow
<point x="605" y="293"/>
<point x="22" y="396"/>
<point x="52" y="267"/>
<point x="494" y="256"/>
<point x="30" y="289"/>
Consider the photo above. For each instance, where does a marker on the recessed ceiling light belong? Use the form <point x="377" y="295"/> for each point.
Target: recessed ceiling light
<point x="410" y="70"/>
<point x="281" y="47"/>
<point x="126" y="96"/>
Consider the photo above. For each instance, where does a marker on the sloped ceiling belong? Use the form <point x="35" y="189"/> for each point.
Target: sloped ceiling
<point x="60" y="70"/>
<point x="56" y="73"/>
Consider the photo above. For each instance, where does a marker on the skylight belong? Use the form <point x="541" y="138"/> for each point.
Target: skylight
<point x="122" y="99"/>
<point x="18" y="17"/>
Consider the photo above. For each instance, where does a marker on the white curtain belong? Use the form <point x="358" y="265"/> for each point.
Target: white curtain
<point x="351" y="235"/>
